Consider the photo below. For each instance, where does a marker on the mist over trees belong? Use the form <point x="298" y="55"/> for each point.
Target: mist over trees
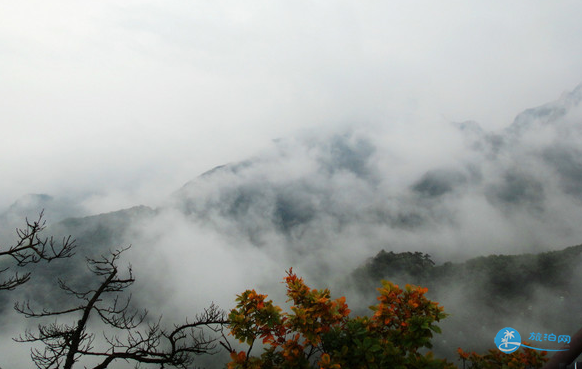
<point x="128" y="336"/>
<point x="528" y="290"/>
<point x="111" y="329"/>
<point x="30" y="248"/>
<point x="101" y="324"/>
<point x="484" y="229"/>
<point x="318" y="333"/>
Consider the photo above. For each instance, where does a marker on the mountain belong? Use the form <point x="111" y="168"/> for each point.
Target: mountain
<point x="518" y="188"/>
<point x="29" y="206"/>
<point x="529" y="292"/>
<point x="324" y="203"/>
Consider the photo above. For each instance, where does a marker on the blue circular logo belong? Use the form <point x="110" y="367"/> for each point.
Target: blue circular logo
<point x="508" y="340"/>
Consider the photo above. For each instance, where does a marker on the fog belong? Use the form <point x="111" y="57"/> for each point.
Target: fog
<point x="118" y="105"/>
<point x="261" y="137"/>
<point x="324" y="201"/>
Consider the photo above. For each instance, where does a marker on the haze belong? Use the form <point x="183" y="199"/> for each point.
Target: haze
<point x="119" y="104"/>
<point x="335" y="129"/>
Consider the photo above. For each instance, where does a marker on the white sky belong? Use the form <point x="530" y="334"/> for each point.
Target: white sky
<point x="131" y="99"/>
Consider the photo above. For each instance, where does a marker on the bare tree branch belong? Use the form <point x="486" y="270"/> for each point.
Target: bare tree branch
<point x="13" y="281"/>
<point x="64" y="344"/>
<point x="30" y="248"/>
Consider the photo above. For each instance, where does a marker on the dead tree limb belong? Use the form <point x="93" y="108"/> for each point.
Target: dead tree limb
<point x="31" y="248"/>
<point x="128" y="337"/>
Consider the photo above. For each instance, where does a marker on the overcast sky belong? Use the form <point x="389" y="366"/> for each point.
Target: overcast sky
<point x="129" y="100"/>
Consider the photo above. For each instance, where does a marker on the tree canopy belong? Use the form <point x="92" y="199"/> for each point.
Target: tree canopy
<point x="319" y="333"/>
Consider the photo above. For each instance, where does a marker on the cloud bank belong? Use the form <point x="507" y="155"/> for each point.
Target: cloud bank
<point x="323" y="201"/>
<point x="108" y="106"/>
<point x="118" y="105"/>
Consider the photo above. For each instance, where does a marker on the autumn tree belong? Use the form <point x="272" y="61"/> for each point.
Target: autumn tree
<point x="523" y="359"/>
<point x="319" y="333"/>
<point x="128" y="335"/>
<point x="31" y="248"/>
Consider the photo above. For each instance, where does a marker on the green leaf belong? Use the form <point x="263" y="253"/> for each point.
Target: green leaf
<point x="436" y="328"/>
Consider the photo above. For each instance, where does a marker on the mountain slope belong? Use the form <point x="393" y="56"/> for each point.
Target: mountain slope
<point x="323" y="203"/>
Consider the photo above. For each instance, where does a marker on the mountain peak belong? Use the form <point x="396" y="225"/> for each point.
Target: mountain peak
<point x="547" y="113"/>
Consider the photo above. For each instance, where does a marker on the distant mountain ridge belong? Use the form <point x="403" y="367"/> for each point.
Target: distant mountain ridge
<point x="529" y="174"/>
<point x="324" y="204"/>
<point x="526" y="179"/>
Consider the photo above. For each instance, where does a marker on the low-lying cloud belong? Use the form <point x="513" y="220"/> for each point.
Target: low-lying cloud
<point x="323" y="202"/>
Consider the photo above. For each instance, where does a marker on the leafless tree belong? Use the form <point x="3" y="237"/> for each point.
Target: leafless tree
<point x="31" y="248"/>
<point x="128" y="337"/>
